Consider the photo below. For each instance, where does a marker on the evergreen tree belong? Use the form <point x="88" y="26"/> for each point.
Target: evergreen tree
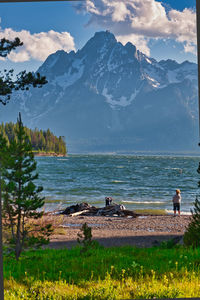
<point x="23" y="79"/>
<point x="3" y="151"/>
<point x="41" y="140"/>
<point x="21" y="197"/>
<point x="192" y="233"/>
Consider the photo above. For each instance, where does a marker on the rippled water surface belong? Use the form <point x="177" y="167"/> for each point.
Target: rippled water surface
<point x="135" y="181"/>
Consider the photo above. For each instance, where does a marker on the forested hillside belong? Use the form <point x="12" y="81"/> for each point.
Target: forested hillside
<point x="42" y="141"/>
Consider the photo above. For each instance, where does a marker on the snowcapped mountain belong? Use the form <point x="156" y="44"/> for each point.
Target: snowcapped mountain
<point x="110" y="97"/>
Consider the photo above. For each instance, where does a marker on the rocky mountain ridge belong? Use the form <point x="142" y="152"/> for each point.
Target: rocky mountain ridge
<point x="110" y="97"/>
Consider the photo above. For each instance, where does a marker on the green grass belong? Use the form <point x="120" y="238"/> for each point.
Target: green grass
<point x="155" y="212"/>
<point x="111" y="273"/>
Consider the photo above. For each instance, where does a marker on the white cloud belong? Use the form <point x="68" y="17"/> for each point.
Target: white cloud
<point x="190" y="48"/>
<point x="38" y="45"/>
<point x="120" y="11"/>
<point x="141" y="20"/>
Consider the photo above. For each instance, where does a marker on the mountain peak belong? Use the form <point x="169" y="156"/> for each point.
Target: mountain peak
<point x="99" y="40"/>
<point x="105" y="35"/>
<point x="110" y="97"/>
<point x="131" y="48"/>
<point x="169" y="63"/>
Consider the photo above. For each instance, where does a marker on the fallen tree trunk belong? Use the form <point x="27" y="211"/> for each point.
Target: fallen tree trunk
<point x="88" y="210"/>
<point x="79" y="213"/>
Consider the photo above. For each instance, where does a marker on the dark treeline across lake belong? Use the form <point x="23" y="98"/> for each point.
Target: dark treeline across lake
<point x="138" y="182"/>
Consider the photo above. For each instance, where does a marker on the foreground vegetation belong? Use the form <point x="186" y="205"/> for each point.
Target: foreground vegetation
<point x="21" y="197"/>
<point x="112" y="273"/>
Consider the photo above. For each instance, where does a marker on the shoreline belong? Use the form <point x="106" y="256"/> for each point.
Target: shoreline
<point x="41" y="154"/>
<point x="140" y="211"/>
<point x="142" y="231"/>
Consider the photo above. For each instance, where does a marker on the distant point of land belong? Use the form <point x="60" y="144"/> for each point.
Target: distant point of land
<point x="44" y="142"/>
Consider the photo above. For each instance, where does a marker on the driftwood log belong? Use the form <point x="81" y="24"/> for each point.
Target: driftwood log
<point x="88" y="210"/>
<point x="78" y="213"/>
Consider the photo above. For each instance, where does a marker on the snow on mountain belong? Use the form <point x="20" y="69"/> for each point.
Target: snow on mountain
<point x="105" y="66"/>
<point x="107" y="96"/>
<point x="74" y="73"/>
<point x="184" y="71"/>
<point x="123" y="101"/>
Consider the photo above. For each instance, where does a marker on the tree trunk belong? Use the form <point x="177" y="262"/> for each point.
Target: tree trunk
<point x="1" y="247"/>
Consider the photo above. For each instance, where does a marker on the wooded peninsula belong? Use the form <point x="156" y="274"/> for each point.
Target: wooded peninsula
<point x="44" y="142"/>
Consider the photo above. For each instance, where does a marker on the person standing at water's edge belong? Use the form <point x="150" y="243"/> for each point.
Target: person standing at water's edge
<point x="177" y="202"/>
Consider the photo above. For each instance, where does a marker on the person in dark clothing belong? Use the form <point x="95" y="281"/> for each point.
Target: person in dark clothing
<point x="108" y="201"/>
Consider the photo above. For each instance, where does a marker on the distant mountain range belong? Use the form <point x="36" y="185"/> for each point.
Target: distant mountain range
<point x="108" y="97"/>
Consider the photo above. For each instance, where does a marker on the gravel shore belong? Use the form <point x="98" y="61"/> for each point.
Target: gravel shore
<point x="142" y="231"/>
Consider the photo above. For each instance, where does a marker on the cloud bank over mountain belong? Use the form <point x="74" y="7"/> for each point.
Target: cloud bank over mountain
<point x="140" y="21"/>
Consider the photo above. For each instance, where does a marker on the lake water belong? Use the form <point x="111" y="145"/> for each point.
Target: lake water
<point x="136" y="181"/>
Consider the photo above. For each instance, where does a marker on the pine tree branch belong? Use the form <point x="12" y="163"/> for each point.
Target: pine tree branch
<point x="24" y="80"/>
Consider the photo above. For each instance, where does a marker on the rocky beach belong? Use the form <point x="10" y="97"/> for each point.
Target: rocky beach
<point x="142" y="231"/>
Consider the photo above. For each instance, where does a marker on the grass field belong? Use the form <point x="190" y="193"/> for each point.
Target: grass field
<point x="104" y="273"/>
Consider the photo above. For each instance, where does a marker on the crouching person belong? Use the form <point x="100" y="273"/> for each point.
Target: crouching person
<point x="108" y="201"/>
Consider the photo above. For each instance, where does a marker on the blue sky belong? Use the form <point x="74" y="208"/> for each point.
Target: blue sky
<point x="161" y="29"/>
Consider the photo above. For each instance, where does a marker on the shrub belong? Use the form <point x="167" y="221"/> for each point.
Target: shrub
<point x="85" y="239"/>
<point x="192" y="233"/>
